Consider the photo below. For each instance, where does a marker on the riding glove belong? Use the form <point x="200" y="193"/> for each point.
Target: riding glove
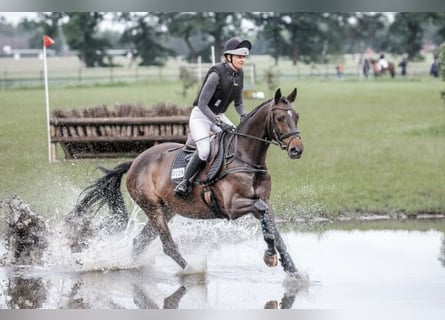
<point x="226" y="127"/>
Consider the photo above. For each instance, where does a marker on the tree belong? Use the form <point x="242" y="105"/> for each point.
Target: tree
<point x="365" y="30"/>
<point x="186" y="26"/>
<point x="271" y="26"/>
<point x="143" y="34"/>
<point x="45" y="24"/>
<point x="214" y="28"/>
<point x="405" y="34"/>
<point x="81" y="32"/>
<point x="314" y="35"/>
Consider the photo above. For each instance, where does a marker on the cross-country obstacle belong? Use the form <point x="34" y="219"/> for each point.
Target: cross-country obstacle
<point x="99" y="134"/>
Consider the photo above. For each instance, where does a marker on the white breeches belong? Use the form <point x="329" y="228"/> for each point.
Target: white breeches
<point x="383" y="64"/>
<point x="200" y="128"/>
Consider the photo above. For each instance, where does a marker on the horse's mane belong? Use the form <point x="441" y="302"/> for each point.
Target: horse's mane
<point x="251" y="113"/>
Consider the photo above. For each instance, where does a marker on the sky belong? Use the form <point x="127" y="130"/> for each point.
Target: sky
<point x="15" y="17"/>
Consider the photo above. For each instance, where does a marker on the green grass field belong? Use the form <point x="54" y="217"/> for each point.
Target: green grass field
<point x="371" y="146"/>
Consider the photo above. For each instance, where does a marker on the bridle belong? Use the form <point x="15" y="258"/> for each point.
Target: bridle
<point x="277" y="137"/>
<point x="276" y="134"/>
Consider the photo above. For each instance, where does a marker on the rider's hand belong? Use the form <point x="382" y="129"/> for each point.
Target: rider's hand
<point x="226" y="127"/>
<point x="242" y="118"/>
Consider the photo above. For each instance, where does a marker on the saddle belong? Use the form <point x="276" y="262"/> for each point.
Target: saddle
<point x="209" y="174"/>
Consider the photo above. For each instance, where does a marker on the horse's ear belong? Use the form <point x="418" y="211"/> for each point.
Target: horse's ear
<point x="291" y="97"/>
<point x="277" y="95"/>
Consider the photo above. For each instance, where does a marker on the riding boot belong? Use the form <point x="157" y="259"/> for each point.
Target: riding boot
<point x="184" y="188"/>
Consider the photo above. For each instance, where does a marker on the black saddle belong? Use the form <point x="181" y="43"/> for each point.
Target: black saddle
<point x="212" y="169"/>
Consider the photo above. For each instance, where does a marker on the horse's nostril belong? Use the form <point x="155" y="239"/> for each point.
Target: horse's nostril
<point x="295" y="152"/>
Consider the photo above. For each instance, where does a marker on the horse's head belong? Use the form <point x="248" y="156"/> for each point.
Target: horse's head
<point x="283" y="124"/>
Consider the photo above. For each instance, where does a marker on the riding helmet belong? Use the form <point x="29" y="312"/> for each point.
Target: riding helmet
<point x="237" y="46"/>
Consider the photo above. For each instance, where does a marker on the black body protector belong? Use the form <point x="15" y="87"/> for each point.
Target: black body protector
<point x="229" y="87"/>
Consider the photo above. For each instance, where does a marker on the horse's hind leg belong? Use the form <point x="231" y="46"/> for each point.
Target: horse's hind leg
<point x="147" y="235"/>
<point x="169" y="246"/>
<point x="158" y="220"/>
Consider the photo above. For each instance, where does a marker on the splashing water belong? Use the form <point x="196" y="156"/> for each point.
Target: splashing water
<point x="105" y="252"/>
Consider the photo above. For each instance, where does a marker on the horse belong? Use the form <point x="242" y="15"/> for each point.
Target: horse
<point x="241" y="186"/>
<point x="378" y="71"/>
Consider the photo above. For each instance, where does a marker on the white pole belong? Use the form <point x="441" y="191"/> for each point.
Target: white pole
<point x="45" y="71"/>
<point x="199" y="69"/>
<point x="213" y="55"/>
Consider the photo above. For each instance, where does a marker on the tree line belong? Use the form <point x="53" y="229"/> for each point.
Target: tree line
<point x="306" y="37"/>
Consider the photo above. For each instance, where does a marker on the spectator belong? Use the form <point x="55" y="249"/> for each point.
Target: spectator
<point x="366" y="68"/>
<point x="403" y="64"/>
<point x="434" y="71"/>
<point x="339" y="69"/>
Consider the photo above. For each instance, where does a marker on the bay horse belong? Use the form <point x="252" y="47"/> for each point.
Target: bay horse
<point x="378" y="71"/>
<point x="241" y="187"/>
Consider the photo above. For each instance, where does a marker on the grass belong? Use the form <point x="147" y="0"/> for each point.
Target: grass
<point x="371" y="146"/>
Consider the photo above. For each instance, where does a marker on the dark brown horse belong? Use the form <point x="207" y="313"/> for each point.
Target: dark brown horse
<point x="241" y="187"/>
<point x="378" y="71"/>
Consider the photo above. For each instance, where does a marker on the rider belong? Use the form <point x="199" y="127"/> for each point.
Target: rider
<point x="222" y="85"/>
<point x="383" y="64"/>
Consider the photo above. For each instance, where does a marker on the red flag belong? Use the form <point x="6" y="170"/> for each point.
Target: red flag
<point x="47" y="41"/>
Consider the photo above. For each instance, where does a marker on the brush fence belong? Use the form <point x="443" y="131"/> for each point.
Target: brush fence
<point x="114" y="137"/>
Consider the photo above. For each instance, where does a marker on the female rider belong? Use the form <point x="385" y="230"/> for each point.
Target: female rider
<point x="222" y="85"/>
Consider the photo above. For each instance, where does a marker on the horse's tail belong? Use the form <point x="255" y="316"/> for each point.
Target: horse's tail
<point x="106" y="190"/>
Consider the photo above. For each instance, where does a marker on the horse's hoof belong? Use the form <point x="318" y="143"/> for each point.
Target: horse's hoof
<point x="270" y="260"/>
<point x="273" y="304"/>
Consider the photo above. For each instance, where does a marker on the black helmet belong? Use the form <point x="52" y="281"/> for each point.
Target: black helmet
<point x="237" y="46"/>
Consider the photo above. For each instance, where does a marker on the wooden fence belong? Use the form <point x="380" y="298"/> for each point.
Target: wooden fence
<point x="114" y="137"/>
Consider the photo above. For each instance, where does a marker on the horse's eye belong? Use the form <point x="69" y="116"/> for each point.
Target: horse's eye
<point x="280" y="118"/>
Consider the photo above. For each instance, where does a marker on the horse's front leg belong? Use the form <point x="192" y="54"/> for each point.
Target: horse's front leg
<point x="273" y="239"/>
<point x="269" y="230"/>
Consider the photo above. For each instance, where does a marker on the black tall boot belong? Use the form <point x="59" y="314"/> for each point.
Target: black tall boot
<point x="184" y="188"/>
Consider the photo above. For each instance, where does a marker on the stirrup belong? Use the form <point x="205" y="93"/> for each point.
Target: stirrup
<point x="183" y="189"/>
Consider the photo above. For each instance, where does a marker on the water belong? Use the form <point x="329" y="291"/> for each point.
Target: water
<point x="369" y="268"/>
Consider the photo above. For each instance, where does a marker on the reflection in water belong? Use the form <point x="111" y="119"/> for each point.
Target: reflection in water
<point x="65" y="292"/>
<point x="25" y="293"/>
<point x="143" y="301"/>
<point x="360" y="268"/>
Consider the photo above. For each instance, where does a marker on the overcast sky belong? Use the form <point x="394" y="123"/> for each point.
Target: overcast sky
<point x="15" y="17"/>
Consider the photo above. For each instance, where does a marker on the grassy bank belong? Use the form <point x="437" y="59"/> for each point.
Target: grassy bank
<point x="370" y="146"/>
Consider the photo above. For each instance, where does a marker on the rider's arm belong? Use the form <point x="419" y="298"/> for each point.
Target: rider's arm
<point x="239" y="105"/>
<point x="207" y="91"/>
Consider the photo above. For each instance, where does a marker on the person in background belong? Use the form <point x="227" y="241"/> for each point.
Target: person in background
<point x="403" y="64"/>
<point x="339" y="69"/>
<point x="434" y="71"/>
<point x="383" y="64"/>
<point x="222" y="85"/>
<point x="366" y="68"/>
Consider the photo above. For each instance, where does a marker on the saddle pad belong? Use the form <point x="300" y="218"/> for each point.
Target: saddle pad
<point x="178" y="166"/>
<point x="182" y="158"/>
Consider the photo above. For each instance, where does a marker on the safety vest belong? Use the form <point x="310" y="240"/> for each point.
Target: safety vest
<point x="229" y="87"/>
